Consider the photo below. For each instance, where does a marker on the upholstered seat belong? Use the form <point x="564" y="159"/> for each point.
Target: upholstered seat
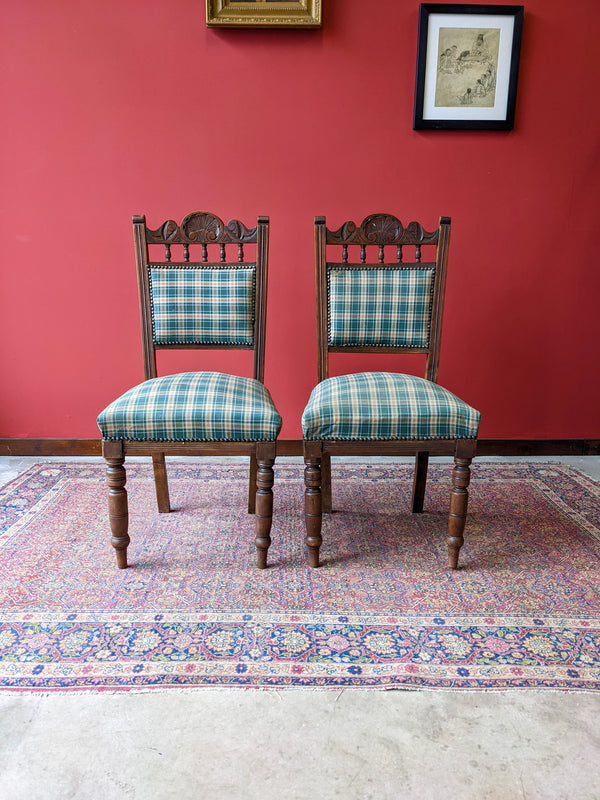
<point x="381" y="406"/>
<point x="193" y="407"/>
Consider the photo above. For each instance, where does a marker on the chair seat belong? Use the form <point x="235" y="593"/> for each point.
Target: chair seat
<point x="386" y="406"/>
<point x="193" y="407"/>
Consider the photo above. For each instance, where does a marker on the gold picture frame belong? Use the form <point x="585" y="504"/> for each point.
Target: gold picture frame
<point x="263" y="13"/>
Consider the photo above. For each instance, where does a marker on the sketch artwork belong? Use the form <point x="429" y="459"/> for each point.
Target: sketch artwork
<point x="467" y="67"/>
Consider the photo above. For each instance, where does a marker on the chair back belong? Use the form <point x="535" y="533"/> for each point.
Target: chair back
<point x="380" y="288"/>
<point x="216" y="301"/>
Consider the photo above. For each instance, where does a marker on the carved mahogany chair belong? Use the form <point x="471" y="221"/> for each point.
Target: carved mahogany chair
<point x="375" y="305"/>
<point x="217" y="303"/>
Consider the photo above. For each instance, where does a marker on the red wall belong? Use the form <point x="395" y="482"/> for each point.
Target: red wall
<point x="114" y="108"/>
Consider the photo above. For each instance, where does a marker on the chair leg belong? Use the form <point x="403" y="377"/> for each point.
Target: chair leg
<point x="326" y="505"/>
<point x="252" y="484"/>
<point x="117" y="508"/>
<point x="161" y="483"/>
<point x="459" y="498"/>
<point x="420" y="482"/>
<point x="313" y="511"/>
<point x="265" y="458"/>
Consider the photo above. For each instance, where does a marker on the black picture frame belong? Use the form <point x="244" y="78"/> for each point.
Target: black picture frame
<point x="467" y="66"/>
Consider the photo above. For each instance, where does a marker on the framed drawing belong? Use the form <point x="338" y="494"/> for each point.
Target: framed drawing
<point x="467" y="66"/>
<point x="263" y="13"/>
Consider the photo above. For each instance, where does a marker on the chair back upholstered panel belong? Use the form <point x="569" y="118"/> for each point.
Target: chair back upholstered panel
<point x="381" y="308"/>
<point x="205" y="287"/>
<point x="380" y="287"/>
<point x="202" y="305"/>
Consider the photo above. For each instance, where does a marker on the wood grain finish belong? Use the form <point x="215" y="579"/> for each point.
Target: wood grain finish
<point x="459" y="497"/>
<point x="265" y="458"/>
<point x="313" y="507"/>
<point x="420" y="481"/>
<point x="118" y="514"/>
<point x="161" y="483"/>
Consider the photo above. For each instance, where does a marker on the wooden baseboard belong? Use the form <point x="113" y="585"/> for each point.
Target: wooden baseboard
<point x="50" y="447"/>
<point x="538" y="447"/>
<point x="293" y="447"/>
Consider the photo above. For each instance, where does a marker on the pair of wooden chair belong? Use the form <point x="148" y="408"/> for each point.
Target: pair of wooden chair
<point x="376" y="304"/>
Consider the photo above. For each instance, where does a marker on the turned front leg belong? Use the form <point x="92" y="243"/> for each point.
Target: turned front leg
<point x="313" y="509"/>
<point x="118" y="514"/>
<point x="459" y="498"/>
<point x="264" y="509"/>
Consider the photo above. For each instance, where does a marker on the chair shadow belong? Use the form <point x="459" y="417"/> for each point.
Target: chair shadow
<point x="402" y="522"/>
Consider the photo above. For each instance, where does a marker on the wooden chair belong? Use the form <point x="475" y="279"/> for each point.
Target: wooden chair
<point x="371" y="306"/>
<point x="184" y="304"/>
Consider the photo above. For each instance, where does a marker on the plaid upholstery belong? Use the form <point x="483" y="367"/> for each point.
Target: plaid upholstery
<point x="384" y="405"/>
<point x="202" y="305"/>
<point x="380" y="306"/>
<point x="193" y="407"/>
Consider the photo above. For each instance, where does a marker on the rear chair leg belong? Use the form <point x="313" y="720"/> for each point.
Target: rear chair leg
<point x="326" y="502"/>
<point x="459" y="498"/>
<point x="161" y="483"/>
<point x="420" y="482"/>
<point x="252" y="484"/>
<point x="117" y="508"/>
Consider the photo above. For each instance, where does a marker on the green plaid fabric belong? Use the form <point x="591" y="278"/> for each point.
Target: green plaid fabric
<point x="193" y="407"/>
<point x="385" y="405"/>
<point x="380" y="307"/>
<point x="202" y="305"/>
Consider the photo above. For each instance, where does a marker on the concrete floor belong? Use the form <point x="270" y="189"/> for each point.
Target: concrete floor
<point x="245" y="744"/>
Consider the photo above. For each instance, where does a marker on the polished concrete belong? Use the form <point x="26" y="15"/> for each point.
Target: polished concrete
<point x="238" y="744"/>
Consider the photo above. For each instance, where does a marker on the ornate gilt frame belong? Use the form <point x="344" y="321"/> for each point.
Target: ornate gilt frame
<point x="263" y="13"/>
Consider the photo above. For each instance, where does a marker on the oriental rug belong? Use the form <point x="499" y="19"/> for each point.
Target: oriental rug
<point x="383" y="611"/>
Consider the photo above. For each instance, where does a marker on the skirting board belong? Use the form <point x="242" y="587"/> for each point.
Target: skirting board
<point x="293" y="447"/>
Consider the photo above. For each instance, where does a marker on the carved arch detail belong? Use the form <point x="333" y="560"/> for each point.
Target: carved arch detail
<point x="202" y="227"/>
<point x="382" y="229"/>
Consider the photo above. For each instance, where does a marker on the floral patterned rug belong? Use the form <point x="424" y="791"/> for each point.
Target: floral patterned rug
<point x="383" y="611"/>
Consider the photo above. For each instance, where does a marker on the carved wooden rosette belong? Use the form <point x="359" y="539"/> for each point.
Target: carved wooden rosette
<point x="382" y="229"/>
<point x="202" y="227"/>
